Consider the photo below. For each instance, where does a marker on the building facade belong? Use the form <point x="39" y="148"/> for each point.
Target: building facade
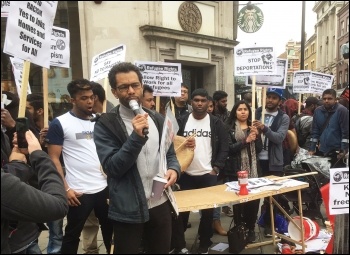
<point x="342" y="38"/>
<point x="200" y="35"/>
<point x="310" y="54"/>
<point x="327" y="33"/>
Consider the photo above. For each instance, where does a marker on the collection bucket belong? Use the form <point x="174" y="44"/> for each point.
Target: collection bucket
<point x="311" y="229"/>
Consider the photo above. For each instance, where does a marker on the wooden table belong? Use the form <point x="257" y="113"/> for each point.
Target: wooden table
<point x="216" y="196"/>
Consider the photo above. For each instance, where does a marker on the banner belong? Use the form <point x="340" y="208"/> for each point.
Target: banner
<point x="28" y="31"/>
<point x="103" y="62"/>
<point x="272" y="81"/>
<point x="164" y="78"/>
<point x="255" y="61"/>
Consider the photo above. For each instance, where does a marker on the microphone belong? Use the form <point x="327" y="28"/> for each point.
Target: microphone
<point x="136" y="109"/>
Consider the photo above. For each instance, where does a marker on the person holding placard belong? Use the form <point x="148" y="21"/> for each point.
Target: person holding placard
<point x="274" y="130"/>
<point x="244" y="146"/>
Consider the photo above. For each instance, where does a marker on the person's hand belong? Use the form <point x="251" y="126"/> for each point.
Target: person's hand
<point x="42" y="135"/>
<point x="251" y="137"/>
<point x="7" y="120"/>
<point x="139" y="122"/>
<point x="258" y="125"/>
<point x="254" y="130"/>
<point x="170" y="176"/>
<point x="16" y="154"/>
<point x="312" y="153"/>
<point x="72" y="196"/>
<point x="33" y="142"/>
<point x="341" y="155"/>
<point x="191" y="143"/>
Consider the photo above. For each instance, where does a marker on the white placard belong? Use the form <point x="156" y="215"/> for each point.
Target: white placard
<point x="272" y="81"/>
<point x="28" y="31"/>
<point x="60" y="47"/>
<point x="103" y="62"/>
<point x="255" y="61"/>
<point x="320" y="82"/>
<point x="339" y="191"/>
<point x="301" y="82"/>
<point x="17" y="67"/>
<point x="164" y="78"/>
<point x="306" y="81"/>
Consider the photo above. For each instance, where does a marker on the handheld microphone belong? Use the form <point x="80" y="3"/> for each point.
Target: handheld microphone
<point x="136" y="109"/>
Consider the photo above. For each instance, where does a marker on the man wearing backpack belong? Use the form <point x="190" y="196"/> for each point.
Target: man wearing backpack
<point x="330" y="129"/>
<point x="303" y="122"/>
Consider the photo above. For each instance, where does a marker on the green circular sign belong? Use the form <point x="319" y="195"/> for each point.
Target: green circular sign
<point x="250" y="19"/>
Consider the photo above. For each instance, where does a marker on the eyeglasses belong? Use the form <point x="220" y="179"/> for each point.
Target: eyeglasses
<point x="126" y="87"/>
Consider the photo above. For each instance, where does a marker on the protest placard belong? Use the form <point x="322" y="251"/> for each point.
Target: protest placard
<point x="255" y="61"/>
<point x="28" y="30"/>
<point x="272" y="81"/>
<point x="339" y="191"/>
<point x="306" y="81"/>
<point x="60" y="47"/>
<point x="103" y="62"/>
<point x="164" y="78"/>
<point x="5" y="8"/>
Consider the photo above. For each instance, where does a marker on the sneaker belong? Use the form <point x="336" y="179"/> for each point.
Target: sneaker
<point x="203" y="250"/>
<point x="182" y="251"/>
<point x="228" y="211"/>
<point x="251" y="236"/>
<point x="267" y="232"/>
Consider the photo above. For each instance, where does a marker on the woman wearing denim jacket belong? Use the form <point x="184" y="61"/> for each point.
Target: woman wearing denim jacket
<point x="244" y="146"/>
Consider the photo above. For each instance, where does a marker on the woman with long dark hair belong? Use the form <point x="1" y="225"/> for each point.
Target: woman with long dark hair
<point x="244" y="145"/>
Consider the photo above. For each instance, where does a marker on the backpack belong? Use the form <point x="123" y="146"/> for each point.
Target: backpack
<point x="301" y="137"/>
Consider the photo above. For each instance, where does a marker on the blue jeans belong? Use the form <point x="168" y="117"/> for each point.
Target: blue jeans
<point x="32" y="248"/>
<point x="216" y="213"/>
<point x="55" y="236"/>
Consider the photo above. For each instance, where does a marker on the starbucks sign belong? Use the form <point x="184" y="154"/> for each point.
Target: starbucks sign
<point x="250" y="19"/>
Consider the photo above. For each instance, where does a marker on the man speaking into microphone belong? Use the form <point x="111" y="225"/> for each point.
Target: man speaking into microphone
<point x="128" y="143"/>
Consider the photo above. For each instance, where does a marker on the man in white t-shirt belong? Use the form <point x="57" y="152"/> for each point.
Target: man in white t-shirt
<point x="72" y="134"/>
<point x="209" y="157"/>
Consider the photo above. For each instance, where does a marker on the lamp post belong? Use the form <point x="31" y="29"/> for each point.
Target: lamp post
<point x="302" y="48"/>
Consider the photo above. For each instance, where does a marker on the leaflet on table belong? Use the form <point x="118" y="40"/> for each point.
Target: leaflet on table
<point x="252" y="183"/>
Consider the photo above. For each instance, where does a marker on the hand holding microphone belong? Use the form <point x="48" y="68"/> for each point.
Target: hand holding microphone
<point x="140" y="123"/>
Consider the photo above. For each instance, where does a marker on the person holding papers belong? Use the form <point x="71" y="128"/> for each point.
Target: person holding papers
<point x="130" y="157"/>
<point x="244" y="146"/>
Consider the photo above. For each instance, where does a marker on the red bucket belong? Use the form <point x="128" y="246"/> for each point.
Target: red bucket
<point x="311" y="229"/>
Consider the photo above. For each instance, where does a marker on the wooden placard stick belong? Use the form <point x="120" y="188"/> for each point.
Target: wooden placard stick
<point x="263" y="105"/>
<point x="105" y="86"/>
<point x="182" y="144"/>
<point x="24" y="89"/>
<point x="45" y="96"/>
<point x="253" y="97"/>
<point x="157" y="103"/>
<point x="299" y="105"/>
<point x="292" y="176"/>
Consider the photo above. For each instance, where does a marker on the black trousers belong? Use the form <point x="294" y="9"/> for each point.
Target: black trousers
<point x="205" y="229"/>
<point x="77" y="216"/>
<point x="154" y="235"/>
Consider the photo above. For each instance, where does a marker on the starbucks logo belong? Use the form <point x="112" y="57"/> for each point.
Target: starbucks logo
<point x="190" y="17"/>
<point x="250" y="19"/>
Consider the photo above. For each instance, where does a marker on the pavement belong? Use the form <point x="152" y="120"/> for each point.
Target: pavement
<point x="191" y="238"/>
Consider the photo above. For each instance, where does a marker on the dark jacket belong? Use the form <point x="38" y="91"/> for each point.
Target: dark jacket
<point x="219" y="139"/>
<point x="27" y="205"/>
<point x="118" y="153"/>
<point x="335" y="135"/>
<point x="275" y="134"/>
<point x="233" y="161"/>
